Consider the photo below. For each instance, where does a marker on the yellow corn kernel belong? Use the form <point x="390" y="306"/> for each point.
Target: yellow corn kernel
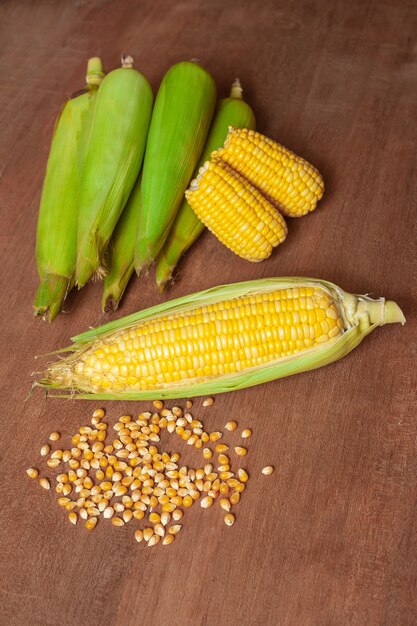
<point x="91" y="523"/>
<point x="242" y="475"/>
<point x="229" y="519"/>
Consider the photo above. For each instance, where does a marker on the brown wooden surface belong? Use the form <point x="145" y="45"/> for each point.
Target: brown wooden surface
<point x="331" y="537"/>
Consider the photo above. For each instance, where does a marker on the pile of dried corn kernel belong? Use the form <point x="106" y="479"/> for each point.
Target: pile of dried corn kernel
<point x="131" y="478"/>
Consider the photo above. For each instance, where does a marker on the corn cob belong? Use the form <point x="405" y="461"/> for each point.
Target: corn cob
<point x="286" y="179"/>
<point x="115" y="151"/>
<point x="57" y="223"/>
<point x="187" y="227"/>
<point x="121" y="252"/>
<point x="222" y="339"/>
<point x="237" y="213"/>
<point x="180" y="121"/>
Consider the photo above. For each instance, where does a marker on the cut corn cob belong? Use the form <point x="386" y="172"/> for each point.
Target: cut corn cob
<point x="121" y="252"/>
<point x="115" y="149"/>
<point x="289" y="181"/>
<point x="180" y="121"/>
<point x="57" y="223"/>
<point x="222" y="339"/>
<point x="232" y="111"/>
<point x="236" y="212"/>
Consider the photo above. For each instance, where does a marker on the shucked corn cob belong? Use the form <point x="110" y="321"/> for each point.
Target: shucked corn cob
<point x="237" y="213"/>
<point x="187" y="227"/>
<point x="219" y="340"/>
<point x="115" y="149"/>
<point x="180" y="121"/>
<point x="56" y="245"/>
<point x="289" y="181"/>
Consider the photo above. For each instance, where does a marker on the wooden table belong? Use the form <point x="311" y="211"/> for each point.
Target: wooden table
<point x="330" y="538"/>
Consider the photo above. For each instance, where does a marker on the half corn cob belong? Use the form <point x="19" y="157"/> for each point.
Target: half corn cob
<point x="180" y="121"/>
<point x="222" y="339"/>
<point x="289" y="181"/>
<point x="56" y="240"/>
<point x="232" y="111"/>
<point x="120" y="253"/>
<point x="237" y="213"/>
<point x="115" y="149"/>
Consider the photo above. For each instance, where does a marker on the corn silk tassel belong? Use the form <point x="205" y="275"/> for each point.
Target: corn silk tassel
<point x="187" y="227"/>
<point x="222" y="339"/>
<point x="116" y="145"/>
<point x="56" y="240"/>
<point x="180" y="122"/>
<point x="120" y="254"/>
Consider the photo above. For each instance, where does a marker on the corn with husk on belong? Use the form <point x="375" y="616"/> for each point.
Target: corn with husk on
<point x="187" y="227"/>
<point x="56" y="241"/>
<point x="180" y="122"/>
<point x="115" y="151"/>
<point x="120" y="254"/>
<point x="219" y="340"/>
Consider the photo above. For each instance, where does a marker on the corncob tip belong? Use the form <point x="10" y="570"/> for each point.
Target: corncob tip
<point x="95" y="72"/>
<point x="194" y="184"/>
<point x="236" y="90"/>
<point x="50" y="296"/>
<point x="127" y="60"/>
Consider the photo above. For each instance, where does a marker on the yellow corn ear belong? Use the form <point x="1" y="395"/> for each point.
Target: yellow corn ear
<point x="293" y="184"/>
<point x="222" y="339"/>
<point x="237" y="213"/>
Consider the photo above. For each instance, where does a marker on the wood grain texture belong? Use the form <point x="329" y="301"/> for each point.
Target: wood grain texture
<point x="331" y="537"/>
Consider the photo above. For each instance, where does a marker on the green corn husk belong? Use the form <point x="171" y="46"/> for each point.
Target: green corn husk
<point x="361" y="316"/>
<point x="180" y="122"/>
<point x="232" y="111"/>
<point x="115" y="150"/>
<point x="121" y="252"/>
<point x="56" y="240"/>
